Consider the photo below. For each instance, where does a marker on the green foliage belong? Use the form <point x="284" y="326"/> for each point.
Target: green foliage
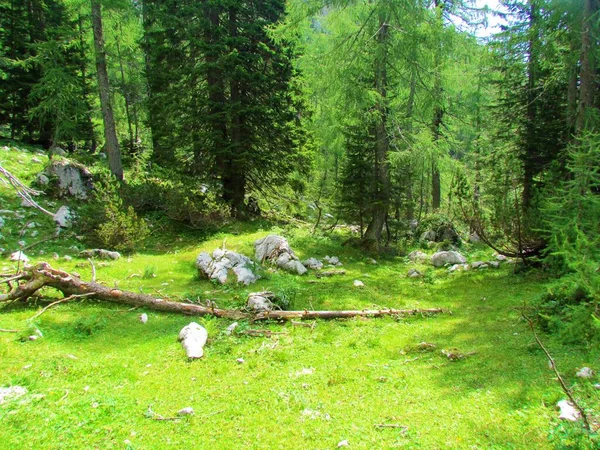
<point x="567" y="310"/>
<point x="89" y="325"/>
<point x="572" y="436"/>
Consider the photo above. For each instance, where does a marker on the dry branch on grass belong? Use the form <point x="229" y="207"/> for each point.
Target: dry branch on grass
<point x="33" y="278"/>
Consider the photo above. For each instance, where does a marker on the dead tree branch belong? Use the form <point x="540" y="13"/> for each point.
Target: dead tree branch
<point x="41" y="275"/>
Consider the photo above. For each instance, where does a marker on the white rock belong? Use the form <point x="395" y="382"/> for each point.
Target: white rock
<point x="143" y="318"/>
<point x="240" y="361"/>
<point x="597" y="386"/>
<point x="34" y="233"/>
<point x="428" y="236"/>
<point x="259" y="301"/>
<point x="36" y="160"/>
<point x="371" y="261"/>
<point x="63" y="217"/>
<point x="414" y="273"/>
<point x="474" y="238"/>
<point x="585" y="372"/>
<point x="358" y="283"/>
<point x="343" y="443"/>
<point x="67" y="258"/>
<point x="1" y="222"/>
<point x="333" y="260"/>
<point x="55" y="255"/>
<point x="313" y="263"/>
<point x="19" y="256"/>
<point x="494" y="264"/>
<point x="193" y="338"/>
<point x="568" y="411"/>
<point x="73" y="178"/>
<point x="477" y="264"/>
<point x="98" y="253"/>
<point x="217" y="266"/>
<point x="458" y="267"/>
<point x="11" y="393"/>
<point x="501" y="258"/>
<point x="417" y="256"/>
<point x="186" y="411"/>
<point x="277" y="250"/>
<point x="22" y="243"/>
<point x="440" y="259"/>
<point x="231" y="328"/>
<point x="26" y="203"/>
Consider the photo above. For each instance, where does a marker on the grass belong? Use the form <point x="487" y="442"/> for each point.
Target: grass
<point x="97" y="371"/>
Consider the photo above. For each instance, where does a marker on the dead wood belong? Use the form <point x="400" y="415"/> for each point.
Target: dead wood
<point x="41" y="275"/>
<point x="330" y="273"/>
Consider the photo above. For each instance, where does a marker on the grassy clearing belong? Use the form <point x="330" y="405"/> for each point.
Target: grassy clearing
<point x="97" y="371"/>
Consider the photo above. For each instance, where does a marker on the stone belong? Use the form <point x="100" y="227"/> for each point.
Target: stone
<point x="313" y="263"/>
<point x="477" y="264"/>
<point x="417" y="256"/>
<point x="36" y="160"/>
<point x="58" y="151"/>
<point x="371" y="261"/>
<point x="501" y="258"/>
<point x="333" y="260"/>
<point x="231" y="328"/>
<point x="143" y="318"/>
<point x="414" y="273"/>
<point x="568" y="411"/>
<point x="585" y="372"/>
<point x="1" y="222"/>
<point x="458" y="268"/>
<point x="260" y="301"/>
<point x="218" y="266"/>
<point x="276" y="250"/>
<point x="440" y="259"/>
<point x="474" y="238"/>
<point x="11" y="393"/>
<point x="19" y="256"/>
<point x="71" y="178"/>
<point x="193" y="338"/>
<point x="99" y="253"/>
<point x="55" y="255"/>
<point x="43" y="180"/>
<point x="493" y="264"/>
<point x="26" y="203"/>
<point x="67" y="258"/>
<point x="63" y="217"/>
<point x="358" y="283"/>
<point x="428" y="236"/>
<point x="186" y="411"/>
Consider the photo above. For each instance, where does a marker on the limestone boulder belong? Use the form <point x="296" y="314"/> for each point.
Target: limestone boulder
<point x="221" y="263"/>
<point x="276" y="250"/>
<point x="69" y="179"/>
<point x="440" y="259"/>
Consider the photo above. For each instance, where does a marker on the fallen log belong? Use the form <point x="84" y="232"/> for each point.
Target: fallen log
<point x="33" y="278"/>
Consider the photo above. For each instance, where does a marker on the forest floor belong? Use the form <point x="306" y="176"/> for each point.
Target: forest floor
<point x="99" y="378"/>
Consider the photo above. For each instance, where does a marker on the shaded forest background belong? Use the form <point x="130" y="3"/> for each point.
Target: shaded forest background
<point x="390" y="118"/>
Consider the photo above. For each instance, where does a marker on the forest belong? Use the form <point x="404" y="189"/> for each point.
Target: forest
<point x="413" y="184"/>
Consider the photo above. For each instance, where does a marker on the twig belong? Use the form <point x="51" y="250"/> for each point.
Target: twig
<point x="64" y="396"/>
<point x="27" y="247"/>
<point x="23" y="191"/>
<point x="304" y="324"/>
<point x="561" y="381"/>
<point x="267" y="333"/>
<point x="391" y="425"/>
<point x="159" y="417"/>
<point x="93" y="270"/>
<point x="2" y="330"/>
<point x="13" y="278"/>
<point x="62" y="300"/>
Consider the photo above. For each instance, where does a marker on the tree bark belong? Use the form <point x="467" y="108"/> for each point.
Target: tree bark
<point x="110" y="134"/>
<point x="438" y="113"/>
<point x="41" y="275"/>
<point x="587" y="80"/>
<point x="382" y="144"/>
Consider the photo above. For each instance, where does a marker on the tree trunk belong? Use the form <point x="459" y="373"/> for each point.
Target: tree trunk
<point x="36" y="277"/>
<point x="438" y="113"/>
<point x="587" y="81"/>
<point x="530" y="133"/>
<point x="110" y="133"/>
<point x="382" y="144"/>
<point x="125" y="90"/>
<point x="88" y="126"/>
